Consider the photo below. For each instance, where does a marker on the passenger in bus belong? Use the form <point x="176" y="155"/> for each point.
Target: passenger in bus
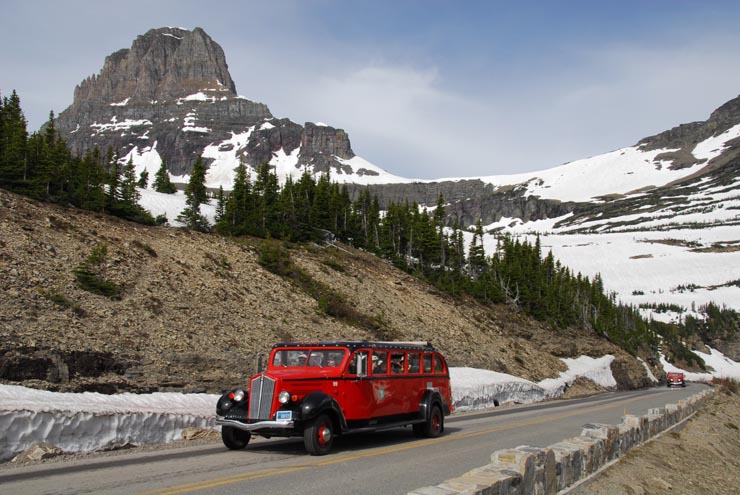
<point x="377" y="365"/>
<point x="315" y="359"/>
<point x="397" y="364"/>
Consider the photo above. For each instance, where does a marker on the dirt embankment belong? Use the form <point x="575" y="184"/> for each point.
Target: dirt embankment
<point x="701" y="458"/>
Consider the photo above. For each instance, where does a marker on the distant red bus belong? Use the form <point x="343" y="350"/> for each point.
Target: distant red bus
<point x="324" y="389"/>
<point x="675" y="379"/>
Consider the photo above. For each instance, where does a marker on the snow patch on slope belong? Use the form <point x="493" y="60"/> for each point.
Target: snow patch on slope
<point x="145" y="159"/>
<point x="618" y="172"/>
<point x="364" y="172"/>
<point x="226" y="156"/>
<point x="715" y="145"/>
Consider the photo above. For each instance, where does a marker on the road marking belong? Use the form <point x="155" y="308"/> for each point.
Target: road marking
<point x="266" y="473"/>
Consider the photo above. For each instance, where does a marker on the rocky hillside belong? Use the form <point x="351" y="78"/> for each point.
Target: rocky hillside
<point x="195" y="311"/>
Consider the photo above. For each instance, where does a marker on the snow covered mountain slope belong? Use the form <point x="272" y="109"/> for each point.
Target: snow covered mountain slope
<point x="615" y="173"/>
<point x="659" y="221"/>
<point x="676" y="245"/>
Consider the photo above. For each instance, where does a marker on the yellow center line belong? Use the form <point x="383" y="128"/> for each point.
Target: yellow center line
<point x="265" y="473"/>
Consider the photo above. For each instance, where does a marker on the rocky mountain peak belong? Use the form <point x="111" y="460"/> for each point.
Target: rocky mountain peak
<point x="170" y="95"/>
<point x="685" y="137"/>
<point x="726" y="115"/>
<point x="162" y="64"/>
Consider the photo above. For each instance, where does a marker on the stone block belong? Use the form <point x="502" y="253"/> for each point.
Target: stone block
<point x="568" y="463"/>
<point x="517" y="461"/>
<point x="487" y="480"/>
<point x="545" y="478"/>
<point x="608" y="433"/>
<point x="594" y="454"/>
<point x="433" y="490"/>
<point x="630" y="432"/>
<point x="656" y="424"/>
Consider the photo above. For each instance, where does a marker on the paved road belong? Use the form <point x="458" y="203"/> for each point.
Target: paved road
<point x="387" y="462"/>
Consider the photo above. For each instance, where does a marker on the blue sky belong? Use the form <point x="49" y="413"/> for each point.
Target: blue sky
<point x="425" y="89"/>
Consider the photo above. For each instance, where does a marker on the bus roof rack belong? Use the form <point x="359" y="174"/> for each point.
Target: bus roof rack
<point x="358" y="343"/>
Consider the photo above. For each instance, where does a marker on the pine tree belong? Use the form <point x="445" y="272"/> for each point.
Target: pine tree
<point x="129" y="195"/>
<point x="162" y="181"/>
<point x="476" y="253"/>
<point x="113" y="171"/>
<point x="234" y="220"/>
<point x="287" y="211"/>
<point x="196" y="195"/>
<point x="13" y="166"/>
<point x="220" y="205"/>
<point x="266" y="189"/>
<point x="197" y="182"/>
<point x="320" y="215"/>
<point x="143" y="181"/>
<point x="87" y="190"/>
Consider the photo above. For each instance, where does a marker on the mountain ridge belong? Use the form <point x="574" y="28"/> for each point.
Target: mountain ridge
<point x="206" y="117"/>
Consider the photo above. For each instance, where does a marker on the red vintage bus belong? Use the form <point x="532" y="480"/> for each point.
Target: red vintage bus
<point x="323" y="389"/>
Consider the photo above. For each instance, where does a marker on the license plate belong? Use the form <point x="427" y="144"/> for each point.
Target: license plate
<point x="284" y="415"/>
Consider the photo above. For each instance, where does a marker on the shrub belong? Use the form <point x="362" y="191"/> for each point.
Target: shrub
<point x="727" y="385"/>
<point x="61" y="301"/>
<point x="89" y="274"/>
<point x="334" y="265"/>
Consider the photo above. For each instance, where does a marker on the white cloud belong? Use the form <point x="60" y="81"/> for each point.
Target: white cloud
<point x="416" y="121"/>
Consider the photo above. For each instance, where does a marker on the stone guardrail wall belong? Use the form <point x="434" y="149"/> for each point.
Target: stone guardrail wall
<point x="529" y="470"/>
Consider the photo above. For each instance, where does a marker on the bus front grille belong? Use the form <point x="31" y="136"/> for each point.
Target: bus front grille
<point x="260" y="397"/>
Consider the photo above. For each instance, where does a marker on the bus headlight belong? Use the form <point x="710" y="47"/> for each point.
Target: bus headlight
<point x="284" y="397"/>
<point x="239" y="395"/>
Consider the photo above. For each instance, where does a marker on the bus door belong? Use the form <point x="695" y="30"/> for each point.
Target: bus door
<point x="357" y="390"/>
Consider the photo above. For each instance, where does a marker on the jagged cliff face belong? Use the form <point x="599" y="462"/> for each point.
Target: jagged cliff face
<point x="467" y="201"/>
<point x="165" y="63"/>
<point x="685" y="137"/>
<point x="171" y="96"/>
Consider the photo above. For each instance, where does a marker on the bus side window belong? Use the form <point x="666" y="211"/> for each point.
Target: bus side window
<point x="380" y="363"/>
<point x="439" y="368"/>
<point x="413" y="362"/>
<point x="398" y="363"/>
<point x="427" y="363"/>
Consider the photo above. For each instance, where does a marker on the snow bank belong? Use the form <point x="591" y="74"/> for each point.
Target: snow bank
<point x="90" y="421"/>
<point x="481" y="389"/>
<point x="91" y="431"/>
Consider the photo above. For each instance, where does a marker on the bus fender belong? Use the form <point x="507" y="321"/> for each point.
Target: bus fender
<point x="431" y="397"/>
<point x="317" y="403"/>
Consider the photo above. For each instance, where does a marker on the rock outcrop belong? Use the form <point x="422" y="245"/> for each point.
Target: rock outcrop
<point x="171" y="94"/>
<point x="686" y="136"/>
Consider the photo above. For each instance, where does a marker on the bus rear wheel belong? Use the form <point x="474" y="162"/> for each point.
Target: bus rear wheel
<point x="433" y="426"/>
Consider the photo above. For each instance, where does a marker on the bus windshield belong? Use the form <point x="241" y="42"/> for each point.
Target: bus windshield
<point x="320" y="358"/>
